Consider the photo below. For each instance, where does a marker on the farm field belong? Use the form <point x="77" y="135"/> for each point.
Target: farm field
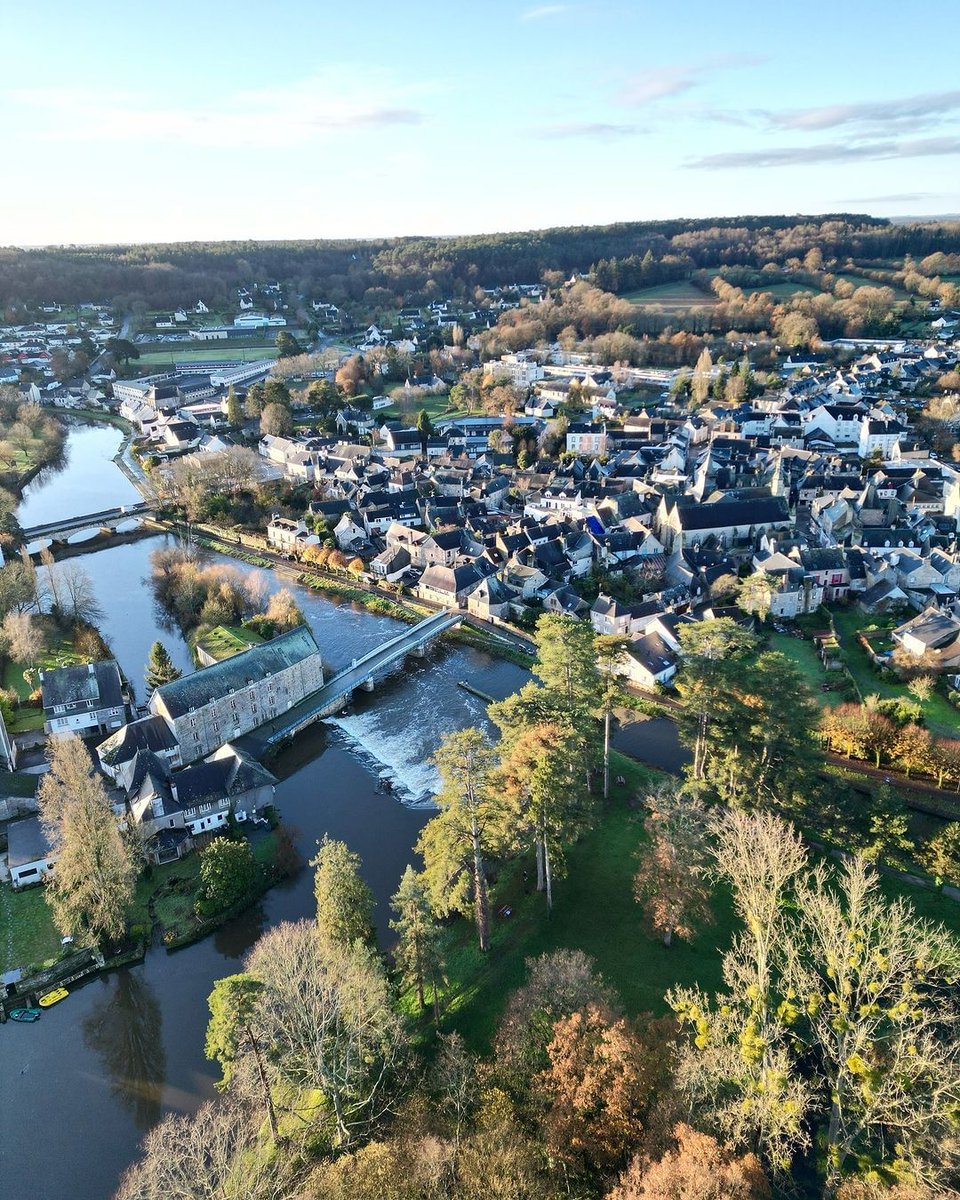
<point x="215" y="352"/>
<point x="678" y="295"/>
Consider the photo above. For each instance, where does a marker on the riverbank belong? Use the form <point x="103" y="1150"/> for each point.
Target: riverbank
<point x="164" y="909"/>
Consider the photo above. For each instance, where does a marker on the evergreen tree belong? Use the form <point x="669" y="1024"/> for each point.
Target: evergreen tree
<point x="417" y="953"/>
<point x="344" y="902"/>
<point x="234" y="411"/>
<point x="424" y="428"/>
<point x="160" y="668"/>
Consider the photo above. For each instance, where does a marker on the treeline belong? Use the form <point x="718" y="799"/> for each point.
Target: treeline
<point x="160" y="276"/>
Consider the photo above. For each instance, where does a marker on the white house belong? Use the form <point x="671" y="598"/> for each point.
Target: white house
<point x="30" y="857"/>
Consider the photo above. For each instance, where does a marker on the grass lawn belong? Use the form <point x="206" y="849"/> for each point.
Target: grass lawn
<point x="594" y="911"/>
<point x="174" y="888"/>
<point x="61" y="655"/>
<point x="679" y="294"/>
<point x="940" y="715"/>
<point x="226" y="640"/>
<point x="803" y="655"/>
<point x="28" y="936"/>
<point x="215" y="352"/>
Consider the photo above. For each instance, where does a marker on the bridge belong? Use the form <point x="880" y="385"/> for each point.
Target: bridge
<point x="109" y="519"/>
<point x="337" y="692"/>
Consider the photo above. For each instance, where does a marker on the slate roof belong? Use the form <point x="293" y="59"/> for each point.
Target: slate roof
<point x="27" y="843"/>
<point x="726" y="513"/>
<point x="258" y="663"/>
<point x="89" y="687"/>
<point x="149" y="733"/>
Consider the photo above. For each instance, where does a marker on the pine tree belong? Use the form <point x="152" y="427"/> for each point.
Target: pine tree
<point x="160" y="668"/>
<point x="344" y="901"/>
<point x="417" y="953"/>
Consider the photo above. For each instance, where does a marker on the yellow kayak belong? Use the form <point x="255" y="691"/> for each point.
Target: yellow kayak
<point x="53" y="997"/>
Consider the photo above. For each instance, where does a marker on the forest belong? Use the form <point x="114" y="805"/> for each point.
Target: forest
<point x="353" y="272"/>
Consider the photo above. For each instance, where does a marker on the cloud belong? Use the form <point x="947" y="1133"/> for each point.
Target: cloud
<point x="588" y="129"/>
<point x="661" y="82"/>
<point x="334" y="102"/>
<point x="895" y="198"/>
<point x="827" y="152"/>
<point x="543" y="11"/>
<point x="912" y="111"/>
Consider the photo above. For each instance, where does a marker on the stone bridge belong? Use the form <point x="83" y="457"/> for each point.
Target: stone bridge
<point x="108" y="518"/>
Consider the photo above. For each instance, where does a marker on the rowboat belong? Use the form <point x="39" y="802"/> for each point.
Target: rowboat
<point x="53" y="997"/>
<point x="25" y="1014"/>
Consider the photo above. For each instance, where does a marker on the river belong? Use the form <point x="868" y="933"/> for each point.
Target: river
<point x="87" y="1081"/>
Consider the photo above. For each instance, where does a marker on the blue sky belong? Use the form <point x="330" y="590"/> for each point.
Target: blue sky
<point x="204" y="120"/>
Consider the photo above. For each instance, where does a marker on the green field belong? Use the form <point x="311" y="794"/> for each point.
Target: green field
<point x="803" y="654"/>
<point x="215" y="352"/>
<point x="61" y="655"/>
<point x="680" y="294"/>
<point x="226" y="640"/>
<point x="27" y="933"/>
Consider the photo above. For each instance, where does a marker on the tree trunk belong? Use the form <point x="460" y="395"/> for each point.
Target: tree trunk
<point x="548" y="874"/>
<point x="668" y="935"/>
<point x="480" y="902"/>
<point x="541" y="882"/>
<point x="606" y="756"/>
<point x="265" y="1084"/>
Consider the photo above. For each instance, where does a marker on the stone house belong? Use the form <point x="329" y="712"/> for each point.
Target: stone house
<point x="221" y="703"/>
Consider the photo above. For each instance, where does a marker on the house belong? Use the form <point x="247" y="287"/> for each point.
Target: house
<point x="649" y="660"/>
<point x="288" y="536"/>
<point x="348" y="532"/>
<point x="170" y="808"/>
<point x="390" y="564"/>
<point x="119" y="752"/>
<point x="933" y="636"/>
<point x="84" y="699"/>
<point x="30" y="857"/>
<point x="220" y="703"/>
<point x="584" y="437"/>
<point x="490" y="601"/>
<point x="449" y="586"/>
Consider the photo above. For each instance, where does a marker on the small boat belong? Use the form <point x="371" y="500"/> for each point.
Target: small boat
<point x="54" y="997"/>
<point x="25" y="1014"/>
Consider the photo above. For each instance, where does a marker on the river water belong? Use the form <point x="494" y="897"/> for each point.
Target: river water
<point x="86" y="1082"/>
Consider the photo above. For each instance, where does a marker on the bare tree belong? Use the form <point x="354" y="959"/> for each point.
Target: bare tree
<point x="837" y="1022"/>
<point x="25" y="637"/>
<point x="329" y="1019"/>
<point x="216" y="1154"/>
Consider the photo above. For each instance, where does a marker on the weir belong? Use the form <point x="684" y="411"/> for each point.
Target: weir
<point x="337" y="692"/>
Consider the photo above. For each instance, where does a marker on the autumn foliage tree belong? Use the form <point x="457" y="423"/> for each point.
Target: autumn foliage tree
<point x="601" y="1078"/>
<point x="697" y="1168"/>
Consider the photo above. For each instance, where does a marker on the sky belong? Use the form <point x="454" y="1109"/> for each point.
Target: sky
<point x="205" y="120"/>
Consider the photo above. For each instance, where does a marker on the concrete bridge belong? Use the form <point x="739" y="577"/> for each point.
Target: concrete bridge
<point x="337" y="692"/>
<point x="108" y="519"/>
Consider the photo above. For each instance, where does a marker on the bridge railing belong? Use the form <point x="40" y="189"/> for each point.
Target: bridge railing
<point x="424" y="629"/>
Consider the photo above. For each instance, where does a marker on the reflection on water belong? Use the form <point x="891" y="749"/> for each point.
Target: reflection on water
<point x="84" y="479"/>
<point x="124" y="1030"/>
